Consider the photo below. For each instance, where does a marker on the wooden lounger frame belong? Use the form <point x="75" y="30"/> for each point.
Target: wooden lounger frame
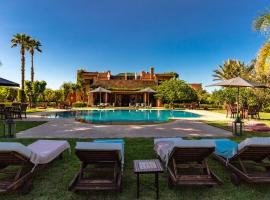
<point x="194" y="158"/>
<point x="106" y="165"/>
<point x="19" y="179"/>
<point x="239" y="164"/>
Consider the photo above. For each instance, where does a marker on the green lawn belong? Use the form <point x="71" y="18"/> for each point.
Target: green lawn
<point x="21" y="126"/>
<point x="52" y="183"/>
<point x="264" y="117"/>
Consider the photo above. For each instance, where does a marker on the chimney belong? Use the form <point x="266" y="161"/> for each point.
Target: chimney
<point x="152" y="72"/>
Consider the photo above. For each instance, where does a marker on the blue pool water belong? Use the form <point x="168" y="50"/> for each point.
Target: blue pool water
<point x="118" y="116"/>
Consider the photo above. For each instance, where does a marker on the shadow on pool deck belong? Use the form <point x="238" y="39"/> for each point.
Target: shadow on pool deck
<point x="69" y="128"/>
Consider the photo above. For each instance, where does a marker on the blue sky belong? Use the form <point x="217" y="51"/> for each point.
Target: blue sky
<point x="190" y="37"/>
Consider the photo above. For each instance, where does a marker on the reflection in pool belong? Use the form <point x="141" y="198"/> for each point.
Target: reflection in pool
<point x="124" y="116"/>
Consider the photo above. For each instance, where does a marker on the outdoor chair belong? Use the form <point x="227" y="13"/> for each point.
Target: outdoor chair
<point x="231" y="110"/>
<point x="2" y="111"/>
<point x="193" y="105"/>
<point x="253" y="111"/>
<point x="186" y="161"/>
<point x="19" y="111"/>
<point x="101" y="166"/>
<point x="19" y="163"/>
<point x="247" y="161"/>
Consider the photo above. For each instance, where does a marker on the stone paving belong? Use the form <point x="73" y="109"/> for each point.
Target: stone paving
<point x="69" y="128"/>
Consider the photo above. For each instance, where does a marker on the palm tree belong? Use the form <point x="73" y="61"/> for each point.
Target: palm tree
<point x="262" y="23"/>
<point x="262" y="65"/>
<point x="33" y="45"/>
<point x="231" y="69"/>
<point x="21" y="40"/>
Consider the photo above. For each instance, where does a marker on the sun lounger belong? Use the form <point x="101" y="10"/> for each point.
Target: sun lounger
<point x="186" y="161"/>
<point x="18" y="163"/>
<point x="101" y="166"/>
<point x="247" y="161"/>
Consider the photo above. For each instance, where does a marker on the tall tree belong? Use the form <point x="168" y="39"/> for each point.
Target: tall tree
<point x="262" y="65"/>
<point x="34" y="45"/>
<point x="231" y="69"/>
<point x="21" y="40"/>
<point x="175" y="90"/>
<point x="262" y="23"/>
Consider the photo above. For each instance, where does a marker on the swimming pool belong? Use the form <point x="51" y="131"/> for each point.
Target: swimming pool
<point x="123" y="116"/>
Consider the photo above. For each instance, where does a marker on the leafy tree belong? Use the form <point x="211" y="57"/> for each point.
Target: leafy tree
<point x="175" y="90"/>
<point x="175" y="75"/>
<point x="8" y="94"/>
<point x="53" y="95"/>
<point x="35" y="91"/>
<point x="248" y="96"/>
<point x="231" y="69"/>
<point x="203" y="96"/>
<point x="68" y="88"/>
<point x="21" y="40"/>
<point x="34" y="45"/>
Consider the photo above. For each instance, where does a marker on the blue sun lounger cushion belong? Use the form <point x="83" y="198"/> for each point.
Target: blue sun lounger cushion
<point x="226" y="148"/>
<point x="118" y="141"/>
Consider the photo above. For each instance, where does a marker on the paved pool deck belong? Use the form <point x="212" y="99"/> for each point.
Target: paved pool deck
<point x="69" y="128"/>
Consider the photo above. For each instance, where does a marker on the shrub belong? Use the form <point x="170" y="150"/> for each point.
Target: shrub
<point x="52" y="104"/>
<point x="79" y="104"/>
<point x="167" y="106"/>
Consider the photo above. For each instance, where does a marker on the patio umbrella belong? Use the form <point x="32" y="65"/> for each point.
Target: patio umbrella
<point x="238" y="82"/>
<point x="147" y="91"/>
<point x="100" y="90"/>
<point x="5" y="82"/>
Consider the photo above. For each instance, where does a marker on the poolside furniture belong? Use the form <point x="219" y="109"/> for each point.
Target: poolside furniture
<point x="231" y="109"/>
<point x="28" y="159"/>
<point x="147" y="167"/>
<point x="42" y="105"/>
<point x="19" y="110"/>
<point x="101" y="166"/>
<point x="186" y="161"/>
<point x="193" y="105"/>
<point x="2" y="111"/>
<point x="64" y="105"/>
<point x="247" y="161"/>
<point x="252" y="111"/>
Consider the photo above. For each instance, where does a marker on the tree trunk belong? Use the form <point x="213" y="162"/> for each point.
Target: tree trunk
<point x="23" y="70"/>
<point x="32" y="66"/>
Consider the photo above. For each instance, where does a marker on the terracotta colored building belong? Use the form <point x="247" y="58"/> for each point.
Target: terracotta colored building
<point x="124" y="87"/>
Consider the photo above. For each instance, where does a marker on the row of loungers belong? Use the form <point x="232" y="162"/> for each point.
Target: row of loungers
<point x="102" y="162"/>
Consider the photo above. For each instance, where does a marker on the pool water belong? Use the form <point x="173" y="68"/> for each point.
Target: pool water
<point x="123" y="116"/>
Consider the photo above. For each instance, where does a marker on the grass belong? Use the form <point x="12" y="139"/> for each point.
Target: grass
<point x="21" y="125"/>
<point x="52" y="183"/>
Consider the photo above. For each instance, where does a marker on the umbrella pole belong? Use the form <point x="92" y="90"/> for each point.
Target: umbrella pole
<point x="99" y="98"/>
<point x="238" y="98"/>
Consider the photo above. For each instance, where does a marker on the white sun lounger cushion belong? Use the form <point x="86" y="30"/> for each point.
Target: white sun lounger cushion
<point x="39" y="152"/>
<point x="195" y="144"/>
<point x="15" y="147"/>
<point x="47" y="150"/>
<point x="164" y="147"/>
<point x="93" y="146"/>
<point x="157" y="140"/>
<point x="255" y="141"/>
